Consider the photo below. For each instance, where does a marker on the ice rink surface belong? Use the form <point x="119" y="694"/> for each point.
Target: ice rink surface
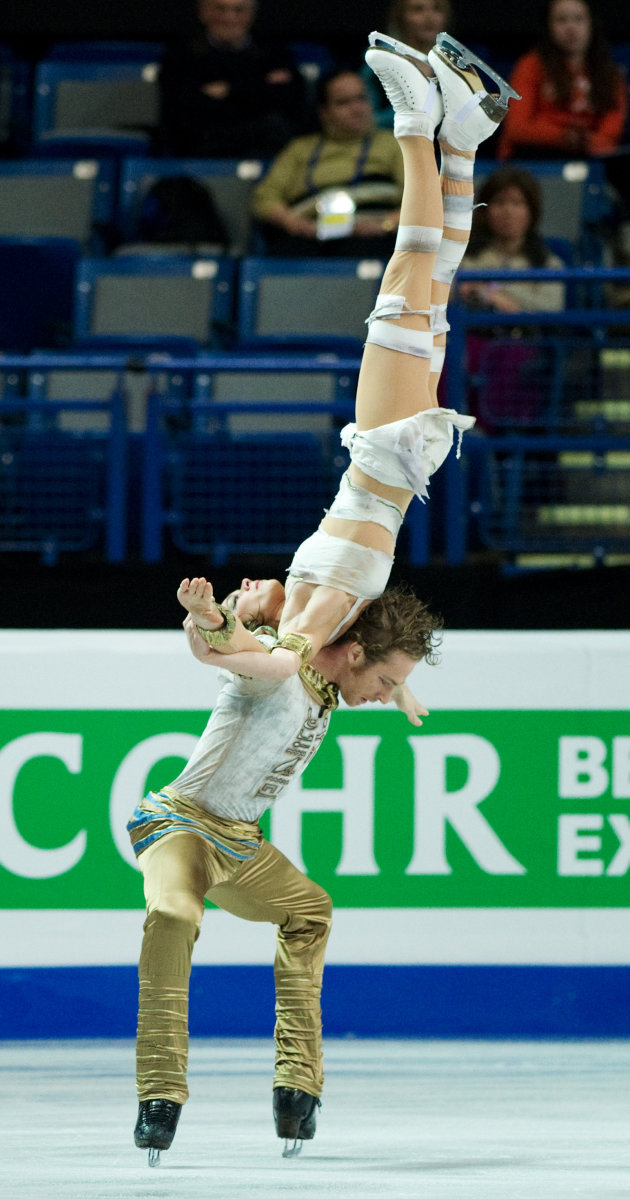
<point x="400" y="1120"/>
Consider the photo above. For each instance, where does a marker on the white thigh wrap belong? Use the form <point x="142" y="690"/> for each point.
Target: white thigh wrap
<point x="405" y="453"/>
<point x="342" y="564"/>
<point x="356" y="503"/>
<point x="382" y="332"/>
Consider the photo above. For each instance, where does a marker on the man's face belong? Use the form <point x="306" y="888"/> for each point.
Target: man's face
<point x="347" y="111"/>
<point x="227" y="21"/>
<point x="362" y="682"/>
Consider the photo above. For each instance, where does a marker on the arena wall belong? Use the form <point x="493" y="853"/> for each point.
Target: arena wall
<point x="478" y="865"/>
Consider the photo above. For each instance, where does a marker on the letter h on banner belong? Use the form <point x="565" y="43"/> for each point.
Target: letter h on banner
<point x="355" y="801"/>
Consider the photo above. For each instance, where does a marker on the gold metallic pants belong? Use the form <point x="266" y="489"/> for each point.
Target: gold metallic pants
<point x="180" y="869"/>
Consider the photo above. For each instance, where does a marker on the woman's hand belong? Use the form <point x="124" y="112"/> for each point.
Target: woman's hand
<point x="197" y="596"/>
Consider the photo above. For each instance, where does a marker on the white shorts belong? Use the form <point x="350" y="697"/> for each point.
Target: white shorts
<point x="405" y="453"/>
<point x="342" y="564"/>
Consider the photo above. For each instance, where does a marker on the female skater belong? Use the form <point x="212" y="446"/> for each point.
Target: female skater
<point x="401" y="436"/>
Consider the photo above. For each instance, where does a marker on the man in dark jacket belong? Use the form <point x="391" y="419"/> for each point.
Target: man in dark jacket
<point x="224" y="94"/>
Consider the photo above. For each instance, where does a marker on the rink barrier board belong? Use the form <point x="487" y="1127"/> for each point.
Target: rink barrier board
<point x="498" y="908"/>
<point x="357" y="1001"/>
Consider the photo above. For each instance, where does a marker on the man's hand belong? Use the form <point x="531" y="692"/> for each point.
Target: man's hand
<point x="407" y="703"/>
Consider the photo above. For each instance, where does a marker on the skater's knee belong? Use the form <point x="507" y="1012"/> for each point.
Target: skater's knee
<point x="183" y="911"/>
<point x="320" y="912"/>
<point x="385" y="327"/>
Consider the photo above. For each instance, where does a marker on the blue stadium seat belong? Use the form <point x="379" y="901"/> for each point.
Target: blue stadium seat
<point x="219" y="494"/>
<point x="97" y="107"/>
<point x="37" y="293"/>
<point x="155" y="301"/>
<point x="61" y="491"/>
<point x="15" y="101"/>
<point x="230" y="182"/>
<point x="105" y="51"/>
<point x="306" y="303"/>
<point x="57" y="197"/>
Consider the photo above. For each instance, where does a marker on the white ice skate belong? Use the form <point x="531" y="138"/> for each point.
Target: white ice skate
<point x="471" y="113"/>
<point x="409" y="82"/>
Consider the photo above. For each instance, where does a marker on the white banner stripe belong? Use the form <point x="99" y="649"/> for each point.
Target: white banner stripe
<point x="396" y="937"/>
<point x="152" y="671"/>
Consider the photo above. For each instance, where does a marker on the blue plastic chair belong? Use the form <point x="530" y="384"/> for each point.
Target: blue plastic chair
<point x="62" y="492"/>
<point x="57" y="197"/>
<point x="100" y="107"/>
<point x="230" y="182"/>
<point x="154" y="302"/>
<point x="37" y="293"/>
<point x="320" y="303"/>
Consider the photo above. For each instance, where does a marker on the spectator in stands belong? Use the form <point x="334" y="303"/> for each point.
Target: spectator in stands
<point x="574" y="95"/>
<point x="416" y="22"/>
<point x="224" y="94"/>
<point x="350" y="157"/>
<point x="505" y="234"/>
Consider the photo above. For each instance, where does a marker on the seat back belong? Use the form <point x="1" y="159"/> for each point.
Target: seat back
<point x="76" y="95"/>
<point x="230" y="182"/>
<point x="306" y="302"/>
<point x="153" y="297"/>
<point x="36" y="298"/>
<point x="55" y="197"/>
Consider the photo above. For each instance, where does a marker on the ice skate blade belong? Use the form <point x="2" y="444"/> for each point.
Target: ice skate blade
<point x="462" y="57"/>
<point x="292" y="1150"/>
<point x="381" y="41"/>
<point x="154" y="1157"/>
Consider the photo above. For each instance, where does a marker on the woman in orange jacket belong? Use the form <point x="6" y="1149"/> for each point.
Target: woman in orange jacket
<point x="574" y="96"/>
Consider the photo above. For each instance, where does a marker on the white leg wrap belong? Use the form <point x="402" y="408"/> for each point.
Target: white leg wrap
<point x="454" y="166"/>
<point x="382" y="332"/>
<point x="395" y="337"/>
<point x="414" y="124"/>
<point x="439" y="323"/>
<point x="437" y="360"/>
<point x="448" y="260"/>
<point x="425" y="239"/>
<point x="458" y="211"/>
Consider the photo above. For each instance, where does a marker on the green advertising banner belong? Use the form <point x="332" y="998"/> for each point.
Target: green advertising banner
<point x="488" y="807"/>
<point x="526" y="809"/>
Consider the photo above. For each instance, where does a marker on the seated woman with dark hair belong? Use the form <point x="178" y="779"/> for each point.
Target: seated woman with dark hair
<point x="506" y="234"/>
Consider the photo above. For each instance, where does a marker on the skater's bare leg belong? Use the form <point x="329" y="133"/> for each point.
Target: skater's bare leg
<point x="394" y="385"/>
<point x="458" y="201"/>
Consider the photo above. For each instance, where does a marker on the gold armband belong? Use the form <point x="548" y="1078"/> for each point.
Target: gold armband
<point x="298" y="643"/>
<point x="220" y="636"/>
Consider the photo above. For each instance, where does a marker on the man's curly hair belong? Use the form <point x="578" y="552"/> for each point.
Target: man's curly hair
<point x="397" y="620"/>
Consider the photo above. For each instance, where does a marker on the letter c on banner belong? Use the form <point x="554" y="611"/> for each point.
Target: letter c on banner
<point x="130" y="779"/>
<point x="16" y="854"/>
